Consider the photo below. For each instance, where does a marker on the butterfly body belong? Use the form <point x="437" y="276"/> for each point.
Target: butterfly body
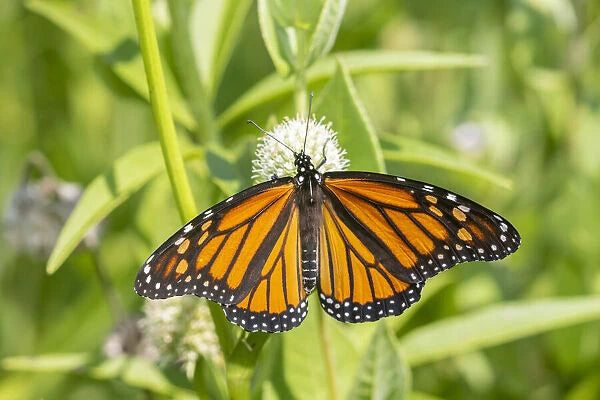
<point x="366" y="241"/>
<point x="310" y="199"/>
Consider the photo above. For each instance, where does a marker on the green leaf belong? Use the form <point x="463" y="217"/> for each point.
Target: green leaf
<point x="359" y="62"/>
<point x="422" y="396"/>
<point x="214" y="28"/>
<point x="269" y="379"/>
<point x="241" y="363"/>
<point x="209" y="381"/>
<point x="308" y="380"/>
<point x="323" y="37"/>
<point x="46" y="363"/>
<point x="418" y="152"/>
<point x="134" y="371"/>
<point x="186" y="67"/>
<point x="340" y="104"/>
<point x="112" y="44"/>
<point x="382" y="374"/>
<point x="298" y="33"/>
<point x="127" y="175"/>
<point x="496" y="325"/>
<point x="279" y="39"/>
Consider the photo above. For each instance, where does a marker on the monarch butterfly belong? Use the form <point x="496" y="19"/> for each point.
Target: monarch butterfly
<point x="366" y="241"/>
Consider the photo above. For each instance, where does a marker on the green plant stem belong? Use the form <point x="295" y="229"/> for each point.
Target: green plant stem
<point x="168" y="141"/>
<point x="161" y="110"/>
<point x="300" y="95"/>
<point x="300" y="89"/>
<point x="301" y="103"/>
<point x="325" y="350"/>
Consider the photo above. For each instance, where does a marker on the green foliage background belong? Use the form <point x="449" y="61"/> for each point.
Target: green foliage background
<point x="402" y="84"/>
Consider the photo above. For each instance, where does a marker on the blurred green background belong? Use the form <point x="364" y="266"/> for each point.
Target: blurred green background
<point x="515" y="128"/>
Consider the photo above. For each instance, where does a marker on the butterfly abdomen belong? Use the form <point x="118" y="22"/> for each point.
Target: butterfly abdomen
<point x="310" y="199"/>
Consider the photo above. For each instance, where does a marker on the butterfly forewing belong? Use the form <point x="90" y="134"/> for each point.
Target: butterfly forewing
<point x="416" y="229"/>
<point x="220" y="254"/>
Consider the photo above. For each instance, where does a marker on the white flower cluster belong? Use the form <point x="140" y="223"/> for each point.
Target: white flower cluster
<point x="180" y="328"/>
<point x="272" y="158"/>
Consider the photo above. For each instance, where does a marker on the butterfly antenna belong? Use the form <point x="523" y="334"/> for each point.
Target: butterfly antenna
<point x="271" y="136"/>
<point x="312" y="94"/>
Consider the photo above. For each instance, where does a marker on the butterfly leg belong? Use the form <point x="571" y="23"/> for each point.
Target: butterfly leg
<point x="324" y="160"/>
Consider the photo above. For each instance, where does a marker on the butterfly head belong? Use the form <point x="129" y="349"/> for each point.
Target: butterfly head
<point x="303" y="163"/>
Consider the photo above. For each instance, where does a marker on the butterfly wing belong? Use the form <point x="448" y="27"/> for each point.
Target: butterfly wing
<point x="277" y="302"/>
<point x="414" y="229"/>
<point x="354" y="286"/>
<point x="220" y="254"/>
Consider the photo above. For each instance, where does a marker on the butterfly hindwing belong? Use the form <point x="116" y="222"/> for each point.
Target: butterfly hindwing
<point x="219" y="255"/>
<point x="354" y="286"/>
<point x="415" y="229"/>
<point x="277" y="302"/>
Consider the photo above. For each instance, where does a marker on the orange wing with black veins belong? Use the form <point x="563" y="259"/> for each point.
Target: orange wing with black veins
<point x="220" y="254"/>
<point x="414" y="229"/>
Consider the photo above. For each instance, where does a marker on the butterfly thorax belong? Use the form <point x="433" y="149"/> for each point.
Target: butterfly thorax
<point x="306" y="171"/>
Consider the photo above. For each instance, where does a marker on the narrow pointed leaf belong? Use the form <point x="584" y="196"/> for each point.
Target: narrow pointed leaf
<point x="214" y="27"/>
<point x="113" y="46"/>
<point x="186" y="67"/>
<point x="418" y="152"/>
<point x="127" y="175"/>
<point x="60" y="362"/>
<point x="279" y="41"/>
<point x="134" y="371"/>
<point x="326" y="31"/>
<point x="382" y="374"/>
<point x="359" y="62"/>
<point x="495" y="325"/>
<point x="340" y="104"/>
<point x="305" y="343"/>
<point x="241" y="364"/>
